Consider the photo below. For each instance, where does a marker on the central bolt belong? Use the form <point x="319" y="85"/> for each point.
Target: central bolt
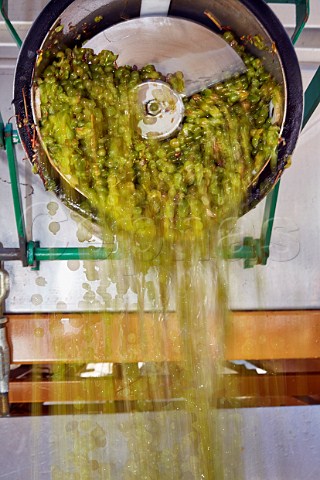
<point x="153" y="108"/>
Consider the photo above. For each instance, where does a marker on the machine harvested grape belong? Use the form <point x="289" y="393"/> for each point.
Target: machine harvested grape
<point x="154" y="358"/>
<point x="108" y="26"/>
<point x="69" y="23"/>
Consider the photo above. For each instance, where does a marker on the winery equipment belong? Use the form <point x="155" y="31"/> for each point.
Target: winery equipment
<point x="69" y="23"/>
<point x="40" y="253"/>
<point x="284" y="64"/>
<point x="259" y="19"/>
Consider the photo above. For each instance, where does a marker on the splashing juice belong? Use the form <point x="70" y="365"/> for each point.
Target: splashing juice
<point x="165" y="202"/>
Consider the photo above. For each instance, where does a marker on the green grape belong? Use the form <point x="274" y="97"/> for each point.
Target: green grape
<point x="88" y="125"/>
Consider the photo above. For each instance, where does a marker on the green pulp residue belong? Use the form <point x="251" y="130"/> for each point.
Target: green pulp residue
<point x="88" y="125"/>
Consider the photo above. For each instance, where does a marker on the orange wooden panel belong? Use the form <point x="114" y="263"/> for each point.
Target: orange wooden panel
<point x="93" y="390"/>
<point x="167" y="388"/>
<point x="130" y="337"/>
<point x="270" y="385"/>
<point x="84" y="338"/>
<point x="265" y="335"/>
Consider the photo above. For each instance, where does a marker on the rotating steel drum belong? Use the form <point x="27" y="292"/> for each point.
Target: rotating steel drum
<point x="66" y="23"/>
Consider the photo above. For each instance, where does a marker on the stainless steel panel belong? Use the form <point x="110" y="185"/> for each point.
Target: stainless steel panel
<point x="274" y="443"/>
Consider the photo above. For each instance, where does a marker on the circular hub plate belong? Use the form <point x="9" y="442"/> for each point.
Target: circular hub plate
<point x="160" y="110"/>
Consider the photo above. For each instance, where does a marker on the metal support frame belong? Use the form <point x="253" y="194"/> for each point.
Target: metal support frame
<point x="12" y="30"/>
<point x="30" y="252"/>
<point x="16" y="195"/>
<point x="252" y="251"/>
<point x="302" y="14"/>
<point x="256" y="251"/>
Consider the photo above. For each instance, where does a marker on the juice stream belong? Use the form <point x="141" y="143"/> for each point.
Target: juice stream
<point x="162" y="421"/>
<point x="166" y="419"/>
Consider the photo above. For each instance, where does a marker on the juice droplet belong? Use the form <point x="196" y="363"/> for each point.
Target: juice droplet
<point x="52" y="207"/>
<point x="73" y="265"/>
<point x="54" y="227"/>
<point x="89" y="296"/>
<point x="61" y="306"/>
<point x="91" y="270"/>
<point x="38" y="332"/>
<point x="36" y="299"/>
<point x="83" y="234"/>
<point x="41" y="281"/>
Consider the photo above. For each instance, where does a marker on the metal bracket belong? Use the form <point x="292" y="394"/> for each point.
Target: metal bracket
<point x="302" y="14"/>
<point x="12" y="30"/>
<point x="36" y="254"/>
<point x="256" y="251"/>
<point x="1" y="132"/>
<point x="30" y="252"/>
<point x="4" y="286"/>
<point x="312" y="100"/>
<point x="312" y="97"/>
<point x="15" y="188"/>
